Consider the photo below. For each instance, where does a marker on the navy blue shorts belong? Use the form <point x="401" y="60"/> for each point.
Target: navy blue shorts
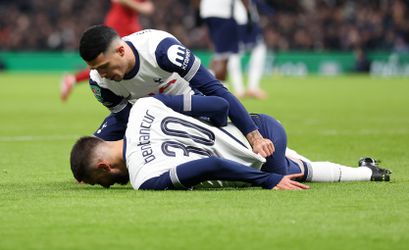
<point x="224" y="34"/>
<point x="272" y="129"/>
<point x="250" y="36"/>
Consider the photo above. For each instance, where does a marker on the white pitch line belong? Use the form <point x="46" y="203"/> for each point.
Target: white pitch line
<point x="25" y="138"/>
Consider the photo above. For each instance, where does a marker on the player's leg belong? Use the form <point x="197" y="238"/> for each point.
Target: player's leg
<point x="256" y="64"/>
<point x="224" y="35"/>
<point x="256" y="69"/>
<point x="69" y="81"/>
<point x="333" y="172"/>
<point x="66" y="85"/>
<point x="313" y="171"/>
<point x="273" y="130"/>
<point x="82" y="76"/>
<point x="325" y="171"/>
<point x="218" y="66"/>
<point x="234" y="66"/>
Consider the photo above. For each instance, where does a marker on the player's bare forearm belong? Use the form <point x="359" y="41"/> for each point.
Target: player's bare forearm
<point x="260" y="145"/>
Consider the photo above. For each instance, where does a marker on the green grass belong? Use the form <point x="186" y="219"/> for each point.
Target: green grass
<point x="327" y="118"/>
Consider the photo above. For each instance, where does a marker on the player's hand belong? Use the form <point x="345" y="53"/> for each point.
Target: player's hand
<point x="260" y="145"/>
<point x="264" y="147"/>
<point x="288" y="184"/>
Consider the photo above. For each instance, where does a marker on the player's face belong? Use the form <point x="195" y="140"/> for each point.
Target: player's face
<point x="106" y="179"/>
<point x="110" y="65"/>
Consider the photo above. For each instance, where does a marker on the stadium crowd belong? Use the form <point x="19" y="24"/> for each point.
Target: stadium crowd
<point x="298" y="25"/>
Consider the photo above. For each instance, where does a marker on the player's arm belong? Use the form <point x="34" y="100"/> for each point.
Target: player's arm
<point x="206" y="83"/>
<point x="114" y="126"/>
<point x="213" y="107"/>
<point x="144" y="8"/>
<point x="192" y="173"/>
<point x="172" y="56"/>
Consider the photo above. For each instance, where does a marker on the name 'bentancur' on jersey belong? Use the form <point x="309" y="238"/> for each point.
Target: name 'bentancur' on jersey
<point x="159" y="139"/>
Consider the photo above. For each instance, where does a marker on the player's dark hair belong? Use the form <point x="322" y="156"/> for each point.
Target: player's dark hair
<point x="82" y="156"/>
<point x="95" y="40"/>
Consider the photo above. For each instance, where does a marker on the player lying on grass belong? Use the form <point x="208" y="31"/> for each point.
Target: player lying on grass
<point x="164" y="149"/>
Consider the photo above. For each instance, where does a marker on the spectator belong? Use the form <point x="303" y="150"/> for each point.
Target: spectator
<point x="362" y="63"/>
<point x="302" y="25"/>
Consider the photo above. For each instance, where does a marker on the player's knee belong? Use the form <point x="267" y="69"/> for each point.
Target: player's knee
<point x="219" y="68"/>
<point x="274" y="131"/>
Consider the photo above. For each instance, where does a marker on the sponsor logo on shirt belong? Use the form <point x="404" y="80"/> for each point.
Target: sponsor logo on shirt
<point x="179" y="56"/>
<point x="97" y="92"/>
<point x="164" y="87"/>
<point x="143" y="32"/>
<point x="158" y="80"/>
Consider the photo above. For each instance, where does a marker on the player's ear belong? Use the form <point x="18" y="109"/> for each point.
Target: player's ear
<point x="121" y="50"/>
<point x="104" y="165"/>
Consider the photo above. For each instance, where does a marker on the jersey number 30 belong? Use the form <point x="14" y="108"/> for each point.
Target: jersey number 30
<point x="206" y="137"/>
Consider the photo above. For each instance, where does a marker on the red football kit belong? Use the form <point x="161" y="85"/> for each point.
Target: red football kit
<point x="123" y="19"/>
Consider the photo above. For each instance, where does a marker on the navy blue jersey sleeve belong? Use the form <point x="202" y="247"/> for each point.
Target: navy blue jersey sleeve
<point x="206" y="83"/>
<point x="109" y="99"/>
<point x="172" y="56"/>
<point x="192" y="173"/>
<point x="114" y="126"/>
<point x="213" y="107"/>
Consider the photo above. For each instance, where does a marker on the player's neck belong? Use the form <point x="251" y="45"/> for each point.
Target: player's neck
<point x="116" y="148"/>
<point x="130" y="58"/>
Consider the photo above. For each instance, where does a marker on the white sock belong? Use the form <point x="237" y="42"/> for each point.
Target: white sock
<point x="256" y="65"/>
<point x="324" y="171"/>
<point x="234" y="67"/>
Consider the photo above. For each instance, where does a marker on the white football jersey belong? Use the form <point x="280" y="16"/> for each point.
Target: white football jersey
<point x="159" y="139"/>
<point x="163" y="65"/>
<point x="224" y="9"/>
<point x="216" y="8"/>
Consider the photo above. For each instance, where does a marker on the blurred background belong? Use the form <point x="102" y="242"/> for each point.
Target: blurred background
<point x="326" y="37"/>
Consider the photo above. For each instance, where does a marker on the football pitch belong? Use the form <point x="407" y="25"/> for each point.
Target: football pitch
<point x="338" y="119"/>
